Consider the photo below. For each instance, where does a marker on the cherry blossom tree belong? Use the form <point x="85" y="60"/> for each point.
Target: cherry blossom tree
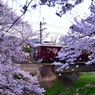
<point x="62" y="6"/>
<point x="80" y="39"/>
<point x="12" y="24"/>
<point x="13" y="80"/>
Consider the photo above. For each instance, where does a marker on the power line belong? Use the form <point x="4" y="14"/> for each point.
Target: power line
<point x="55" y="19"/>
<point x="38" y="18"/>
<point x="47" y="15"/>
<point x="57" y="33"/>
<point x="56" y="26"/>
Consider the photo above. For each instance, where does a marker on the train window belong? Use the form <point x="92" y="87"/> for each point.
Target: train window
<point x="55" y="50"/>
<point x="39" y="50"/>
<point x="86" y="52"/>
<point x="44" y="50"/>
<point x="51" y="50"/>
<point x="48" y="50"/>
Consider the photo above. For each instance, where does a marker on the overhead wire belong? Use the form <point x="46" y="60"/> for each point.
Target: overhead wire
<point x="69" y="18"/>
<point x="56" y="26"/>
<point x="82" y="19"/>
<point x="49" y="16"/>
<point x="38" y="18"/>
<point x="70" y="12"/>
<point x="40" y="12"/>
<point x="50" y="25"/>
<point x="55" y="32"/>
<point x="47" y="24"/>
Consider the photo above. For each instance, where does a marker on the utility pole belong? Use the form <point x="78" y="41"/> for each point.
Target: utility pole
<point x="41" y="29"/>
<point x="40" y="32"/>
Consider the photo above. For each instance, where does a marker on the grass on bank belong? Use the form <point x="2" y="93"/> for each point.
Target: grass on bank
<point x="84" y="86"/>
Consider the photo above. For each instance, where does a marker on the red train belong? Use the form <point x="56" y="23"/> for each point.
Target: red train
<point x="45" y="53"/>
<point x="48" y="53"/>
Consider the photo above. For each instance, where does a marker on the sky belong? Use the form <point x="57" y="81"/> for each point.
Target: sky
<point x="55" y="26"/>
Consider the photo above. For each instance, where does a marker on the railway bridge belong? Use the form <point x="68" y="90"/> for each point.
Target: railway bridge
<point x="78" y="67"/>
<point x="47" y="72"/>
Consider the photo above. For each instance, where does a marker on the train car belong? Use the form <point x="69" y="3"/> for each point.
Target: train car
<point x="84" y="57"/>
<point x="45" y="53"/>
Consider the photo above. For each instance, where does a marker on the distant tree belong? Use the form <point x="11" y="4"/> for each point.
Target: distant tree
<point x="24" y="31"/>
<point x="54" y="39"/>
<point x="20" y="27"/>
<point x="7" y="17"/>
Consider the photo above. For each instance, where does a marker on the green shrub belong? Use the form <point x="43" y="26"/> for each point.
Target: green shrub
<point x="78" y="88"/>
<point x="28" y="50"/>
<point x="56" y="89"/>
